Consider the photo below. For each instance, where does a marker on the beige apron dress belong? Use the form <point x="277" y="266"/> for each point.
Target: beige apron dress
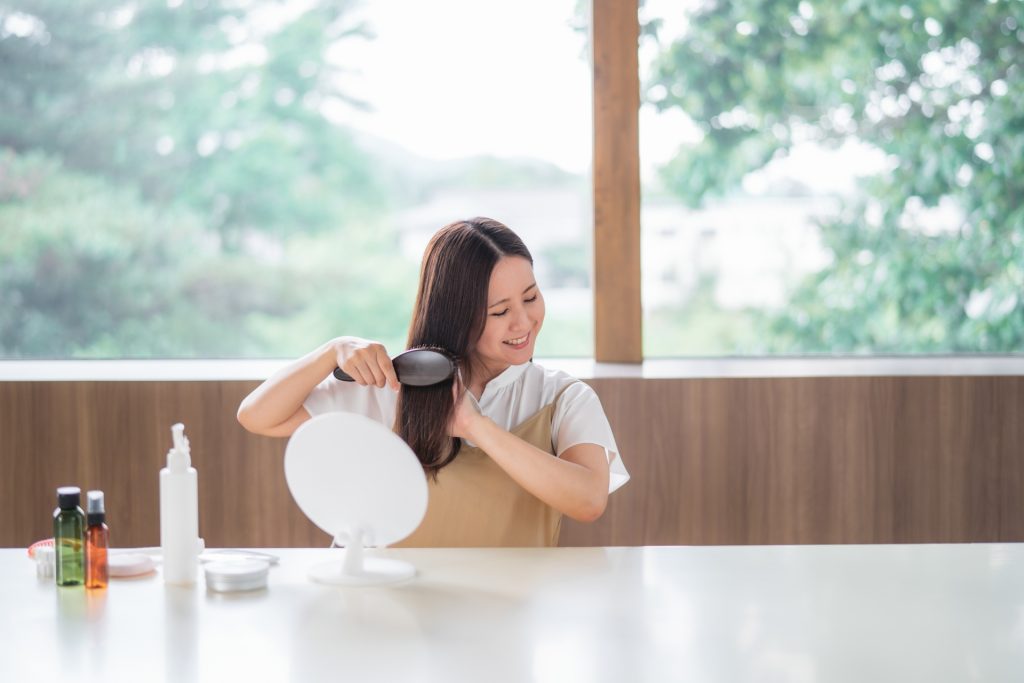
<point x="474" y="503"/>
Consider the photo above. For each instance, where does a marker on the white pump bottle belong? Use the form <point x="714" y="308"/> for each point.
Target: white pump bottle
<point x="179" y="513"/>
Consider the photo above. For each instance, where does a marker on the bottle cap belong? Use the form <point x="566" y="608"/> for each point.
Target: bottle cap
<point x="94" y="502"/>
<point x="68" y="497"/>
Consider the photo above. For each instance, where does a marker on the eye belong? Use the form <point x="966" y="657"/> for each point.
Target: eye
<point x="531" y="300"/>
<point x="498" y="315"/>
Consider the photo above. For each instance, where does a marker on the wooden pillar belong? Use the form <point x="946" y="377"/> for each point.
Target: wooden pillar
<point x="615" y="32"/>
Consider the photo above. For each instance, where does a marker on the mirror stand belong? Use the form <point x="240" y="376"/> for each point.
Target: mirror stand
<point x="357" y="570"/>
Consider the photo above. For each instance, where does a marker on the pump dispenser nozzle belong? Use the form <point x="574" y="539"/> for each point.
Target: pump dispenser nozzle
<point x="178" y="434"/>
<point x="178" y="458"/>
<point x="95" y="505"/>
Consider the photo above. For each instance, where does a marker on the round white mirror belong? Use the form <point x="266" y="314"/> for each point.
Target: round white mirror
<point x="363" y="485"/>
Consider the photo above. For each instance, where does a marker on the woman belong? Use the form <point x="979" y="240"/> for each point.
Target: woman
<point x="509" y="446"/>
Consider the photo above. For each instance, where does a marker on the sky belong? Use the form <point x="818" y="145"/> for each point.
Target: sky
<point x="449" y="79"/>
<point x="454" y="78"/>
<point x="509" y="79"/>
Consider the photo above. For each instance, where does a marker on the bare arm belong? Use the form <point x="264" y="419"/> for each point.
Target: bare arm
<point x="274" y="408"/>
<point x="575" y="484"/>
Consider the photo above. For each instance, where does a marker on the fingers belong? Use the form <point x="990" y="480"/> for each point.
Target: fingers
<point x="457" y="388"/>
<point x="368" y="364"/>
<point x="356" y="373"/>
<point x="388" y="368"/>
<point x="454" y="426"/>
<point x="373" y="371"/>
<point x="366" y="372"/>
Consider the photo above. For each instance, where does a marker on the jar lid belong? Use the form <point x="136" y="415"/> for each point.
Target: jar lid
<point x="236" y="575"/>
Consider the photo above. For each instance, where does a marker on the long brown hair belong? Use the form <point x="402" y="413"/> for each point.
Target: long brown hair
<point x="450" y="313"/>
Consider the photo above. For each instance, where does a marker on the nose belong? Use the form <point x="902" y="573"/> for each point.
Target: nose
<point x="522" y="322"/>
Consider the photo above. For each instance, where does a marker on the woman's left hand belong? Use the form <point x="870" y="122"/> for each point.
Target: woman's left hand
<point x="466" y="412"/>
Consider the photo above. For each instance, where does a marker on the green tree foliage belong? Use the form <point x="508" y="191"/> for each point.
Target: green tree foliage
<point x="168" y="182"/>
<point x="936" y="85"/>
<point x="90" y="270"/>
<point x="194" y="104"/>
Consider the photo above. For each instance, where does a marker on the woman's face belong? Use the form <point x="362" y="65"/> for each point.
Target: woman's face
<point x="515" y="313"/>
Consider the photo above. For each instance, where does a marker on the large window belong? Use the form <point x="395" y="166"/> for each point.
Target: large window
<point x="232" y="178"/>
<point x="832" y="177"/>
<point x="247" y="178"/>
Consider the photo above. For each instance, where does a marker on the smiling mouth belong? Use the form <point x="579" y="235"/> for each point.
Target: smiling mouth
<point x="517" y="342"/>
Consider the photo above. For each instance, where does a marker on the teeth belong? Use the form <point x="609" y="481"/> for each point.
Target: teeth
<point x="517" y="342"/>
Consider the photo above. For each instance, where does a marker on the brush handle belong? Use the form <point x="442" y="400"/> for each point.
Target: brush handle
<point x="416" y="367"/>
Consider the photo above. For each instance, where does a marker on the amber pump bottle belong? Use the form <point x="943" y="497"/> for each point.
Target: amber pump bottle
<point x="97" y="539"/>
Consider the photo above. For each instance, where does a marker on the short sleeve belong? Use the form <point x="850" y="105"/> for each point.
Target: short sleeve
<point x="332" y="395"/>
<point x="579" y="418"/>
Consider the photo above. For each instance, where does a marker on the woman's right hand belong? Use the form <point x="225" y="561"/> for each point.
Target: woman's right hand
<point x="366" y="361"/>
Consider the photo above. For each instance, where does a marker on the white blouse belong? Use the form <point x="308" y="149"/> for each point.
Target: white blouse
<point x="508" y="399"/>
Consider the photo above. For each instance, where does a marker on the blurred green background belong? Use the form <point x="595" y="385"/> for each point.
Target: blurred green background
<point x="170" y="186"/>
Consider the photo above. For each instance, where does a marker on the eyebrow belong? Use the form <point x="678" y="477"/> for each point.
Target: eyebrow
<point x="504" y="300"/>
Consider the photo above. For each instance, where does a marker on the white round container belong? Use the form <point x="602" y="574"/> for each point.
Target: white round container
<point x="231" y="576"/>
<point x="125" y="565"/>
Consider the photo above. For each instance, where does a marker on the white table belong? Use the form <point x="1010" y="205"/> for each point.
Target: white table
<point x="801" y="613"/>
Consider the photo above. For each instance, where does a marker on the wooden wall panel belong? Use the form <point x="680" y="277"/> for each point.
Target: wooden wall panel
<point x="814" y="460"/>
<point x="713" y="461"/>
<point x="1008" y="442"/>
<point x="115" y="436"/>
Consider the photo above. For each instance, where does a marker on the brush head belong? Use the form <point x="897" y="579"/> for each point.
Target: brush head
<point x="419" y="367"/>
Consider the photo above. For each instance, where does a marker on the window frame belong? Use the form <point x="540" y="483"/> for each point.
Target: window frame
<point x="615" y="70"/>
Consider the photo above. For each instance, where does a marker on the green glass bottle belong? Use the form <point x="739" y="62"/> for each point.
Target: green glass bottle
<point x="69" y="537"/>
